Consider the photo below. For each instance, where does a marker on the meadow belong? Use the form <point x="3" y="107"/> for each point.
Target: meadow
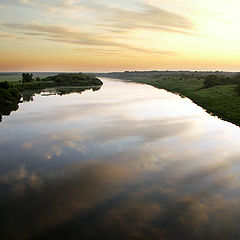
<point x="219" y="100"/>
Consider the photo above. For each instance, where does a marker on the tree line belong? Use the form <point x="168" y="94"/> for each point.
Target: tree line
<point x="214" y="80"/>
<point x="28" y="77"/>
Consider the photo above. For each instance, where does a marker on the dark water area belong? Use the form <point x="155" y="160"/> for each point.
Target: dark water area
<point x="128" y="161"/>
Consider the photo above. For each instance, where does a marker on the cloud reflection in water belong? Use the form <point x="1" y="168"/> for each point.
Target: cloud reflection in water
<point x="109" y="170"/>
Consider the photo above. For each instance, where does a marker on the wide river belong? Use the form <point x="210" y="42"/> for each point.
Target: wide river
<point x="128" y="161"/>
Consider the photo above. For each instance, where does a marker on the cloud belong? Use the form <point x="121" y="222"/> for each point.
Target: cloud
<point x="114" y="195"/>
<point x="131" y="49"/>
<point x="61" y="34"/>
<point x="148" y="130"/>
<point x="83" y="185"/>
<point x="111" y="26"/>
<point x="76" y="36"/>
<point x="57" y="6"/>
<point x="117" y="18"/>
<point x="51" y="145"/>
<point x="10" y="36"/>
<point x="150" y="18"/>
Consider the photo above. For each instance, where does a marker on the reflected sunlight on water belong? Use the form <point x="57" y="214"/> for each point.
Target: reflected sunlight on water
<point x="128" y="161"/>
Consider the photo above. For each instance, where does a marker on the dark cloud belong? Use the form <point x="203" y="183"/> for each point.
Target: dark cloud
<point x="118" y="197"/>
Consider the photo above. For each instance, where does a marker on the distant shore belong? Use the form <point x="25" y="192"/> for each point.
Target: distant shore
<point x="11" y="92"/>
<point x="222" y="101"/>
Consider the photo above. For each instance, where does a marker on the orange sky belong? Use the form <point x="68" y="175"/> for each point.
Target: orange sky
<point x="71" y="35"/>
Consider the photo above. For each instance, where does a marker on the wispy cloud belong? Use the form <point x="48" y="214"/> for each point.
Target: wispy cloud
<point x="10" y="36"/>
<point x="109" y="28"/>
<point x="118" y="19"/>
<point x="128" y="54"/>
<point x="151" y="18"/>
<point x="61" y="34"/>
<point x="76" y="36"/>
<point x="56" y="6"/>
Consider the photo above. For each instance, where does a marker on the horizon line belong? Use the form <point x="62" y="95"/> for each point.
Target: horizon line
<point x="154" y="70"/>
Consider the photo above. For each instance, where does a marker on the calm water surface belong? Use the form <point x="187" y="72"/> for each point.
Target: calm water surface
<point x="128" y="161"/>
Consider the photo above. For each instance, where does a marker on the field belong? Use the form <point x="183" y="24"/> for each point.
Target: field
<point x="16" y="76"/>
<point x="222" y="100"/>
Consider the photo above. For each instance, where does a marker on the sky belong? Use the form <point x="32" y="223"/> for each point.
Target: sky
<point x="110" y="35"/>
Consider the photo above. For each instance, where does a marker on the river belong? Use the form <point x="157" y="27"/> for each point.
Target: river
<point x="128" y="161"/>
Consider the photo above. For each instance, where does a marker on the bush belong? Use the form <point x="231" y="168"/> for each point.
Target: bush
<point x="4" y="85"/>
<point x="213" y="80"/>
<point x="27" y="77"/>
<point x="238" y="89"/>
<point x="210" y="81"/>
<point x="74" y="79"/>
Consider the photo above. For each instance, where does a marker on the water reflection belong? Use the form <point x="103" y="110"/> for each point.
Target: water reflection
<point x="126" y="162"/>
<point x="28" y="96"/>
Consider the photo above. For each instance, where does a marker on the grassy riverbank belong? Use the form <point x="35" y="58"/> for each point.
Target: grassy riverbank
<point x="12" y="92"/>
<point x="221" y="100"/>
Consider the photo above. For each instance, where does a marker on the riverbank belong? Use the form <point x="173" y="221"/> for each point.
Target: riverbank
<point x="222" y="100"/>
<point x="12" y="92"/>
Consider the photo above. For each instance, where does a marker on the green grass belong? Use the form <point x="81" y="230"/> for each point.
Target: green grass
<point x="15" y="77"/>
<point x="222" y="100"/>
<point x="9" y="79"/>
<point x="12" y="91"/>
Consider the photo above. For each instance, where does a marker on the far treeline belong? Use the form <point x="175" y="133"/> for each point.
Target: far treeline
<point x="12" y="92"/>
<point x="217" y="92"/>
<point x="63" y="78"/>
<point x="214" y="80"/>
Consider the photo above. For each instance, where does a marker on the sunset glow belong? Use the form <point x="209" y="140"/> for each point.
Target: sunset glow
<point x="108" y="35"/>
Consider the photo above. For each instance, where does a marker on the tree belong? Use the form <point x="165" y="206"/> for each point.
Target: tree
<point x="238" y="89"/>
<point x="27" y="77"/>
<point x="210" y="81"/>
<point x="4" y="85"/>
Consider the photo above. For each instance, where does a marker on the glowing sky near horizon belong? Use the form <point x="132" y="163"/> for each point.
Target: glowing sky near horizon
<point x="109" y="35"/>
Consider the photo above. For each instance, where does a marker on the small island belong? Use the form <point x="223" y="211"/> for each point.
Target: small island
<point x="11" y="93"/>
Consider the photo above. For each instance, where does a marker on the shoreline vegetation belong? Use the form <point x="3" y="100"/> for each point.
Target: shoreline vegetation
<point x="11" y="92"/>
<point x="217" y="92"/>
